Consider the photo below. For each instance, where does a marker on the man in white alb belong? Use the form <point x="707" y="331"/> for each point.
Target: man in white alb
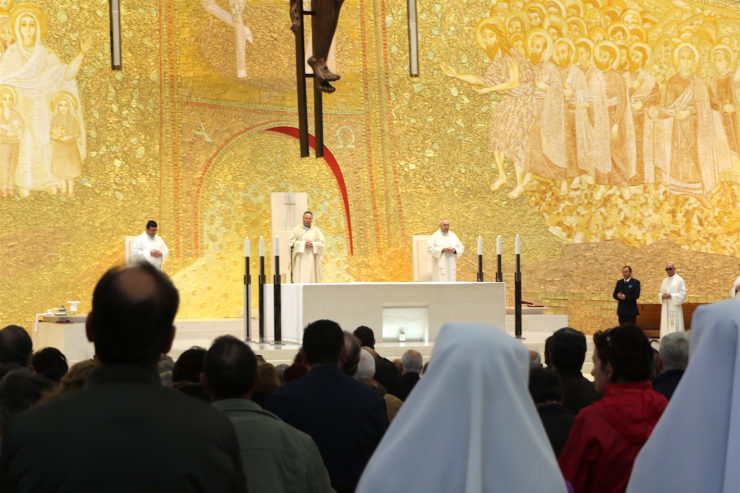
<point x="445" y="248"/>
<point x="735" y="291"/>
<point x="149" y="247"/>
<point x="306" y="248"/>
<point x="672" y="295"/>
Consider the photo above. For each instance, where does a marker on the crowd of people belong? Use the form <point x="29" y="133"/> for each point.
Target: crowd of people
<point x="485" y="414"/>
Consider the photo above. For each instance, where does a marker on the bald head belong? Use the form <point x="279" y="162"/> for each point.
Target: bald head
<point x="444" y="225"/>
<point x="670" y="269"/>
<point x="132" y="315"/>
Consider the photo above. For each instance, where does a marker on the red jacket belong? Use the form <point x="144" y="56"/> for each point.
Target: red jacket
<point x="607" y="435"/>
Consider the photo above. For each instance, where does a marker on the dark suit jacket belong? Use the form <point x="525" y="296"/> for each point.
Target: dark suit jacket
<point x="123" y="432"/>
<point x="666" y="382"/>
<point x="345" y="417"/>
<point x="408" y="381"/>
<point x="628" y="306"/>
<point x="578" y="391"/>
<point x="387" y="374"/>
<point x="558" y="422"/>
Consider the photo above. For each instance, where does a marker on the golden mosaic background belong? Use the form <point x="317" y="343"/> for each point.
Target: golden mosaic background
<point x="176" y="136"/>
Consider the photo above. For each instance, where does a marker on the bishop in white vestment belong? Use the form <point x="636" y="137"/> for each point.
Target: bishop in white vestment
<point x="672" y="295"/>
<point x="307" y="247"/>
<point x="445" y="248"/>
<point x="148" y="247"/>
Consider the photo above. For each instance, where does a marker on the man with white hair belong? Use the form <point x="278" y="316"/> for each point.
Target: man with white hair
<point x="444" y="247"/>
<point x="674" y="358"/>
<point x="412" y="362"/>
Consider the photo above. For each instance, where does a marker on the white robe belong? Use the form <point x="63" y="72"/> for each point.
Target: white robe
<point x="733" y="293"/>
<point x="306" y="261"/>
<point x="671" y="313"/>
<point x="144" y="244"/>
<point x="469" y="426"/>
<point x="695" y="447"/>
<point x="444" y="265"/>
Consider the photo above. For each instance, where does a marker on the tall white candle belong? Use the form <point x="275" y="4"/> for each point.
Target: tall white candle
<point x="518" y="245"/>
<point x="246" y="246"/>
<point x="262" y="247"/>
<point x="480" y="245"/>
<point x="276" y="246"/>
<point x="499" y="242"/>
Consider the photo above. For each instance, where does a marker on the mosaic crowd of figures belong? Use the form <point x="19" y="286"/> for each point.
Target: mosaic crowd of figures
<point x="612" y="93"/>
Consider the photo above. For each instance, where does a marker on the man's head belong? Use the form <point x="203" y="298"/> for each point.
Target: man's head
<point x="626" y="272"/>
<point x="366" y="366"/>
<point x="545" y="386"/>
<point x="538" y="45"/>
<point x="15" y="345"/>
<point x="50" y="363"/>
<point x="639" y="55"/>
<point x="444" y="225"/>
<point x="674" y="351"/>
<point x="352" y="347"/>
<point x="151" y="228"/>
<point x="229" y="370"/>
<point x="131" y="321"/>
<point x="189" y="365"/>
<point x="411" y="361"/>
<point x="670" y="269"/>
<point x="606" y="54"/>
<point x="567" y="349"/>
<point x="307" y="219"/>
<point x="323" y="343"/>
<point x="366" y="336"/>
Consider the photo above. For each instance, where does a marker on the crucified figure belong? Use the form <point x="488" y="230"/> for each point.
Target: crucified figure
<point x="323" y="27"/>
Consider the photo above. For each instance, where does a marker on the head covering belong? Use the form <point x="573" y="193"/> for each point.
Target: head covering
<point x="469" y="426"/>
<point x="696" y="444"/>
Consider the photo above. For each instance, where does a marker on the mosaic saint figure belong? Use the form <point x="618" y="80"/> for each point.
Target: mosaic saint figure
<point x="36" y="74"/>
<point x="65" y="134"/>
<point x="510" y="76"/>
<point x="724" y="98"/>
<point x="11" y="129"/>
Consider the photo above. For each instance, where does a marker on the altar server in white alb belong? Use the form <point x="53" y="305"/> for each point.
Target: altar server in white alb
<point x="445" y="248"/>
<point x="672" y="295"/>
<point x="149" y="247"/>
<point x="735" y="291"/>
<point x="307" y="247"/>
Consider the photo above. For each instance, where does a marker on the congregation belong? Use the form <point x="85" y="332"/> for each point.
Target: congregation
<point x="482" y="415"/>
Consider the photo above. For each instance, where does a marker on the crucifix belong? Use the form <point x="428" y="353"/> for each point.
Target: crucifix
<point x="324" y="18"/>
<point x="234" y="19"/>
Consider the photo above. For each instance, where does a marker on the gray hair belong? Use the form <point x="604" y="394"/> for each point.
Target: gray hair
<point x="674" y="351"/>
<point x="366" y="366"/>
<point x="411" y="361"/>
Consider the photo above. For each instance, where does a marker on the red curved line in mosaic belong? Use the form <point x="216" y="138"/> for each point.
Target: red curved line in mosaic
<point x="335" y="169"/>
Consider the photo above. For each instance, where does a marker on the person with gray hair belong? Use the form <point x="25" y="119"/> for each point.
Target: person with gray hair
<point x="412" y="363"/>
<point x="673" y="360"/>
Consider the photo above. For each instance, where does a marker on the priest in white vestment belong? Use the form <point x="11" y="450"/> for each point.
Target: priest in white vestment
<point x="735" y="291"/>
<point x="148" y="247"/>
<point x="306" y="247"/>
<point x="672" y="295"/>
<point x="445" y="248"/>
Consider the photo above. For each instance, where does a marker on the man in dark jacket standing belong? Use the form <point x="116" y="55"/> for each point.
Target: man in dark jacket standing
<point x="626" y="292"/>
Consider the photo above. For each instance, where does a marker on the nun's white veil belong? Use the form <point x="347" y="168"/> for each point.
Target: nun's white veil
<point x="696" y="445"/>
<point x="469" y="425"/>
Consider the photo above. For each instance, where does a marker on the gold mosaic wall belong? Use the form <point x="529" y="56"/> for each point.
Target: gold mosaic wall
<point x="182" y="135"/>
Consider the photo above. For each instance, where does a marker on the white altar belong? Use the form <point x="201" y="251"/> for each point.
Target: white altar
<point x="400" y="311"/>
<point x="66" y="333"/>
